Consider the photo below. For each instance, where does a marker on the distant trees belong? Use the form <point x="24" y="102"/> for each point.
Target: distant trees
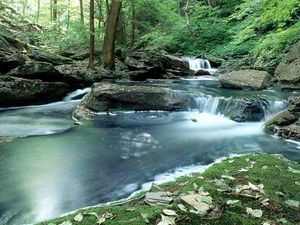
<point x="108" y="59"/>
<point x="81" y="11"/>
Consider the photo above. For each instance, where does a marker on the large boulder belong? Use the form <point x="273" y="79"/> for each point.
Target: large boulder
<point x="288" y="71"/>
<point x="9" y="56"/>
<point x="73" y="76"/>
<point x="19" y="92"/>
<point x="38" y="54"/>
<point x="111" y="96"/>
<point x="246" y="79"/>
<point x="242" y="109"/>
<point x="286" y="123"/>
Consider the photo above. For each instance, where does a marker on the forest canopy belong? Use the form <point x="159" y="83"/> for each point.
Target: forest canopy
<point x="262" y="30"/>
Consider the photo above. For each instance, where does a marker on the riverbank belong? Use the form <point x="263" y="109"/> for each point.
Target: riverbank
<point x="251" y="189"/>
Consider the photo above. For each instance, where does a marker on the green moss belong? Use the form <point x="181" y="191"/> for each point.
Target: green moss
<point x="270" y="170"/>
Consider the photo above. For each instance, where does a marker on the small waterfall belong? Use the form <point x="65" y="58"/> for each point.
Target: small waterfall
<point x="197" y="64"/>
<point x="78" y="94"/>
<point x="208" y="104"/>
<point x="239" y="109"/>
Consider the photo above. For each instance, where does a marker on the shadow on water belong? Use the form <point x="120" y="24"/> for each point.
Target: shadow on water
<point x="109" y="158"/>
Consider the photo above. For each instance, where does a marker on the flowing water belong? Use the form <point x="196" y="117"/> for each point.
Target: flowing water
<point x="57" y="167"/>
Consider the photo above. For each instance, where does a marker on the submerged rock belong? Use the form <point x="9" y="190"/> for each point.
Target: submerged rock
<point x="286" y="123"/>
<point x="246" y="79"/>
<point x="288" y="71"/>
<point x="108" y="96"/>
<point x="19" y="92"/>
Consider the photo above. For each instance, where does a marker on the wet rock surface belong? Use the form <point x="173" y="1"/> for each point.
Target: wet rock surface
<point x="109" y="97"/>
<point x="286" y="124"/>
<point x="20" y="92"/>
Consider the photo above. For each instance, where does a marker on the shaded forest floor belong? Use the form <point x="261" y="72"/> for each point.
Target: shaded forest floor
<point x="251" y="189"/>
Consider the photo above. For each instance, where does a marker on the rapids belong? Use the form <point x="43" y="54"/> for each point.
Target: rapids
<point x="49" y="167"/>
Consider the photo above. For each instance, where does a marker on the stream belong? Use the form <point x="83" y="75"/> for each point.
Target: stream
<point x="54" y="167"/>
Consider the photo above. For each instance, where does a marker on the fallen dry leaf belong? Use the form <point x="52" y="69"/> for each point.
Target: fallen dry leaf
<point x="169" y="212"/>
<point x="167" y="220"/>
<point x="78" y="217"/>
<point x="257" y="213"/>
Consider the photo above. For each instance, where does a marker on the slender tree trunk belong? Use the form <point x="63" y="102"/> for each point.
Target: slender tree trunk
<point x="81" y="11"/>
<point x="54" y="10"/>
<point x="38" y="11"/>
<point x="107" y="7"/>
<point x="187" y="20"/>
<point x="25" y="3"/>
<point x="92" y="36"/>
<point x="69" y="15"/>
<point x="100" y="18"/>
<point x="108" y="59"/>
<point x="121" y="31"/>
<point x="133" y="23"/>
<point x="51" y="10"/>
<point x="212" y="3"/>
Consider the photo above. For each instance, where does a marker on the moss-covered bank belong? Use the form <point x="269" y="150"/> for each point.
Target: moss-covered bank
<point x="269" y="183"/>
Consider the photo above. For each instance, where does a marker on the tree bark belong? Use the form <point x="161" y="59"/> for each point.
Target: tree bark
<point x="54" y="10"/>
<point x="108" y="59"/>
<point x="92" y="36"/>
<point x="212" y="3"/>
<point x="51" y="10"/>
<point x="133" y="23"/>
<point x="187" y="20"/>
<point x="38" y="11"/>
<point x="25" y="3"/>
<point x="100" y="18"/>
<point x="81" y="11"/>
<point x="69" y="15"/>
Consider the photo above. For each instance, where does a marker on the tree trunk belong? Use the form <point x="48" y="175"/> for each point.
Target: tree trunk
<point x="38" y="11"/>
<point x="212" y="3"/>
<point x="25" y="3"/>
<point x="133" y="23"/>
<point x="108" y="59"/>
<point x="100" y="18"/>
<point x="107" y="7"/>
<point x="121" y="29"/>
<point x="69" y="15"/>
<point x="51" y="10"/>
<point x="81" y="11"/>
<point x="187" y="20"/>
<point x="54" y="10"/>
<point x="92" y="36"/>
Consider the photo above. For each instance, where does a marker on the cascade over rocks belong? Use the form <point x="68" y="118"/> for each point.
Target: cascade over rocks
<point x="288" y="71"/>
<point x="242" y="110"/>
<point x="246" y="79"/>
<point x="286" y="123"/>
<point x="20" y="92"/>
<point x="112" y="96"/>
